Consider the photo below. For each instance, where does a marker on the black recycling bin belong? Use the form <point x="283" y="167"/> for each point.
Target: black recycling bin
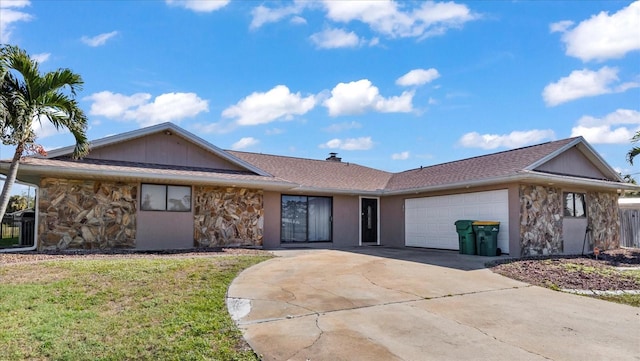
<point x="466" y="236"/>
<point x="486" y="237"/>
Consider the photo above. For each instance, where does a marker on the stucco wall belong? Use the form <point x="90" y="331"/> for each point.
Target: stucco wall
<point x="75" y="214"/>
<point x="392" y="221"/>
<point x="226" y="216"/>
<point x="346" y="218"/>
<point x="164" y="230"/>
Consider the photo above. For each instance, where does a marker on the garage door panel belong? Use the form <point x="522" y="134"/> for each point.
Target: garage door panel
<point x="429" y="221"/>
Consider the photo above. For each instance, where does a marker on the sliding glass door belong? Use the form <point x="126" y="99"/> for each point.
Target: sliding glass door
<point x="306" y="219"/>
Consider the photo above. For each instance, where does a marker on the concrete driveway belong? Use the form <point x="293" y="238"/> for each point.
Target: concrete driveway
<point x="376" y="303"/>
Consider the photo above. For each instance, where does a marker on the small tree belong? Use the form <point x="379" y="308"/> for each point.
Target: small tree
<point x="27" y="96"/>
<point x="635" y="150"/>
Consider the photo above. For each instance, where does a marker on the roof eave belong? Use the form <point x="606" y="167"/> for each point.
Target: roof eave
<point x="522" y="176"/>
<point x="337" y="191"/>
<point x="47" y="171"/>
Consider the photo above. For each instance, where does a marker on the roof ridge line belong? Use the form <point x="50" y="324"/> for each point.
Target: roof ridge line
<point x="488" y="155"/>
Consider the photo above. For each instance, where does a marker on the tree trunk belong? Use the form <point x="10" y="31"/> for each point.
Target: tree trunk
<point x="11" y="178"/>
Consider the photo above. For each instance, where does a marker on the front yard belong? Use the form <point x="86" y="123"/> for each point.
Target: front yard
<point x="120" y="307"/>
<point x="613" y="271"/>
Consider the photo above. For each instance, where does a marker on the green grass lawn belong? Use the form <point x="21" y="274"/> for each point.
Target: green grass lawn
<point x="142" y="308"/>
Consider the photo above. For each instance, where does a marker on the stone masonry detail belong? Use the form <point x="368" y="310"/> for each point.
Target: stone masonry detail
<point x="75" y="214"/>
<point x="540" y="220"/>
<point x="604" y="218"/>
<point x="226" y="216"/>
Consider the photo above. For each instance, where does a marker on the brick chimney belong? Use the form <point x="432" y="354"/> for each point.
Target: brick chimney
<point x="333" y="157"/>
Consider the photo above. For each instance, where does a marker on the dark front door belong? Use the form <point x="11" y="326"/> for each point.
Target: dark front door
<point x="369" y="212"/>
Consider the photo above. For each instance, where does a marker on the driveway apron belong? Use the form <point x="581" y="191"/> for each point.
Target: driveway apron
<point x="378" y="303"/>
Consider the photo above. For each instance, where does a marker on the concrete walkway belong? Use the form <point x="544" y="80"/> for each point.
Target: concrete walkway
<point x="376" y="303"/>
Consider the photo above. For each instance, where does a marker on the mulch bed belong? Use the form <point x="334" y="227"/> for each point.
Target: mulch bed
<point x="578" y="272"/>
<point x="32" y="256"/>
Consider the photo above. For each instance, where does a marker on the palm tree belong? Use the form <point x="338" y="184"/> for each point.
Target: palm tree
<point x="635" y="150"/>
<point x="27" y="96"/>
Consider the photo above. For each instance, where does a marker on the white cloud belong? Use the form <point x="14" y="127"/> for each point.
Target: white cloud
<point x="9" y="15"/>
<point x="335" y="38"/>
<point x="512" y="140"/>
<point x="169" y="107"/>
<point x="360" y="96"/>
<point x="362" y="143"/>
<point x="584" y="83"/>
<point x="264" y="15"/>
<point x="614" y="128"/>
<point x="204" y="6"/>
<point x="98" y="40"/>
<point x="603" y="36"/>
<point x="217" y="128"/>
<point x="114" y="105"/>
<point x="400" y="156"/>
<point x="341" y="127"/>
<point x="244" y="143"/>
<point x="388" y="18"/>
<point x="41" y="58"/>
<point x="44" y="128"/>
<point x="274" y="131"/>
<point x="561" y="26"/>
<point x="262" y="108"/>
<point x="298" y="20"/>
<point x="418" y="77"/>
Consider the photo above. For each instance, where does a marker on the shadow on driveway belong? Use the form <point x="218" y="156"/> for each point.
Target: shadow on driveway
<point x="434" y="257"/>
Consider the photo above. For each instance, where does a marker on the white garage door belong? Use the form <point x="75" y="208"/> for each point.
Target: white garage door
<point x="429" y="221"/>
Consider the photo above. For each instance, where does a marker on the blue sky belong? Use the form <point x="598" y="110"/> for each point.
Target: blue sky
<point x="390" y="85"/>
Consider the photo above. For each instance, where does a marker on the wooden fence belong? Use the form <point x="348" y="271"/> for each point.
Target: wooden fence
<point x="630" y="228"/>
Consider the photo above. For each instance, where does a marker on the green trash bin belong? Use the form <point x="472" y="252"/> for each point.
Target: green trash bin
<point x="466" y="236"/>
<point x="486" y="237"/>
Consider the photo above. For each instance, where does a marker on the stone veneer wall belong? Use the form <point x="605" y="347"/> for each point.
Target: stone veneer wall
<point x="228" y="216"/>
<point x="76" y="214"/>
<point x="540" y="220"/>
<point x="604" y="218"/>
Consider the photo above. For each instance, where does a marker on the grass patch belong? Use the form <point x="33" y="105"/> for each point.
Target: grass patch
<point x="144" y="309"/>
<point x="631" y="300"/>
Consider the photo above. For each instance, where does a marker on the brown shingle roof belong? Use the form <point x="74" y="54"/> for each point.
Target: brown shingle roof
<point x="473" y="169"/>
<point x="121" y="169"/>
<point x="309" y="174"/>
<point x="321" y="174"/>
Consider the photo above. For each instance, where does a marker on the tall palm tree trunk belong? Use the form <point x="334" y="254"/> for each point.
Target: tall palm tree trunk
<point x="11" y="178"/>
